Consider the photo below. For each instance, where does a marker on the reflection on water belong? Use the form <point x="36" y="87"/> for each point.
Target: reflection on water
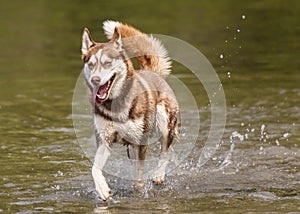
<point x="253" y="46"/>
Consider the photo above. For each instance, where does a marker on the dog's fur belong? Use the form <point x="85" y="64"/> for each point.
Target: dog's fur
<point x="129" y="104"/>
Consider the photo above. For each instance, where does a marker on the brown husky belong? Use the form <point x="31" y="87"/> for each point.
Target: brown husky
<point x="129" y="105"/>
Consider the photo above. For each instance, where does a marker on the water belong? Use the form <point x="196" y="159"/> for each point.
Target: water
<point x="256" y="166"/>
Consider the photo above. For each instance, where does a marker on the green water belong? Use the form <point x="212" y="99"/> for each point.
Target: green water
<point x="42" y="167"/>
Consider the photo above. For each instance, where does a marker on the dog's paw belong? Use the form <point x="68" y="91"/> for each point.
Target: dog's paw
<point x="139" y="185"/>
<point x="100" y="183"/>
<point x="157" y="180"/>
<point x="159" y="174"/>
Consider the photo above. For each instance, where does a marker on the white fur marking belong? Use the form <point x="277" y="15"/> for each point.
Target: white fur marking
<point x="120" y="70"/>
<point x="132" y="131"/>
<point x="86" y="43"/>
<point x="157" y="49"/>
<point x="109" y="28"/>
<point x="98" y="54"/>
<point x="100" y="183"/>
<point x="104" y="127"/>
<point x="101" y="156"/>
<point x="162" y="119"/>
<point x="104" y="58"/>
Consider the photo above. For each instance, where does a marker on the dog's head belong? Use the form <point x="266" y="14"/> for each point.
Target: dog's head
<point x="104" y="67"/>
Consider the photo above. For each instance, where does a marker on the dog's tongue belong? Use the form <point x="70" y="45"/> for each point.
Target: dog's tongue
<point x="95" y="90"/>
<point x="100" y="93"/>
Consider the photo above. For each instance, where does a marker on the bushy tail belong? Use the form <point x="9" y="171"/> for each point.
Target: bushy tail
<point x="148" y="51"/>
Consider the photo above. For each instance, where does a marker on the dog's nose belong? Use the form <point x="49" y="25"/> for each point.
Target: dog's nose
<point x="95" y="80"/>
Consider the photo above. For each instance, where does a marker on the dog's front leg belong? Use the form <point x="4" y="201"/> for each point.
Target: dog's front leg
<point x="138" y="154"/>
<point x="101" y="157"/>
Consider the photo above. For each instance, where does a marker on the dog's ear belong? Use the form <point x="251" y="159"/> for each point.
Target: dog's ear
<point x="117" y="39"/>
<point x="87" y="41"/>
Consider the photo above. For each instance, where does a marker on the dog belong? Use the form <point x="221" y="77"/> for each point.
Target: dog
<point x="129" y="104"/>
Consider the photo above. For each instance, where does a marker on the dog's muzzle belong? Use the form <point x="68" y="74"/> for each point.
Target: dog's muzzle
<point x="95" y="80"/>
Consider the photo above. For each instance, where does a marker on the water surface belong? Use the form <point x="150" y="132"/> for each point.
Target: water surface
<point x="254" y="48"/>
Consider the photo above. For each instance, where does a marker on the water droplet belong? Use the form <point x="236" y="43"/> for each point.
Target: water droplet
<point x="228" y="74"/>
<point x="234" y="38"/>
<point x="242" y="124"/>
<point x="243" y="17"/>
<point x="277" y="142"/>
<point x="56" y="187"/>
<point x="221" y="56"/>
<point x="262" y="129"/>
<point x="227" y="27"/>
<point x="238" y="30"/>
<point x="286" y="135"/>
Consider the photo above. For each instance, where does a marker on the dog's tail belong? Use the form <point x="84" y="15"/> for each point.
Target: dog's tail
<point x="148" y="51"/>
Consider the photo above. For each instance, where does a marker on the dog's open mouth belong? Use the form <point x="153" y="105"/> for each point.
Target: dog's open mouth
<point x="101" y="93"/>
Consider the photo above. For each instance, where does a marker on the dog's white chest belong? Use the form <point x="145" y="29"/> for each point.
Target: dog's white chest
<point x="131" y="130"/>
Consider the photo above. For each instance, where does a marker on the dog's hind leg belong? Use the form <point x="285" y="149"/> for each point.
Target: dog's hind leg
<point x="140" y="167"/>
<point x="167" y="126"/>
<point x="101" y="157"/>
<point x="159" y="174"/>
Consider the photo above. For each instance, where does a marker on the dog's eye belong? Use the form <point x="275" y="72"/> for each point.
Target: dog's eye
<point x="107" y="63"/>
<point x="91" y="65"/>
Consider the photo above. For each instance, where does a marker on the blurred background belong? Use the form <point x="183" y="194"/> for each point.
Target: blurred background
<point x="254" y="48"/>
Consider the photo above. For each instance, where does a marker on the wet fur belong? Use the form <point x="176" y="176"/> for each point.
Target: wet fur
<point x="139" y="102"/>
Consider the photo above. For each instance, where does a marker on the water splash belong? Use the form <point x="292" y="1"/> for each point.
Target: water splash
<point x="227" y="161"/>
<point x="264" y="136"/>
<point x="262" y="129"/>
<point x="238" y="135"/>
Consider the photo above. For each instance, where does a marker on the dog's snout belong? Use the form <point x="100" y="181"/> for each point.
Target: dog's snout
<point x="95" y="80"/>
